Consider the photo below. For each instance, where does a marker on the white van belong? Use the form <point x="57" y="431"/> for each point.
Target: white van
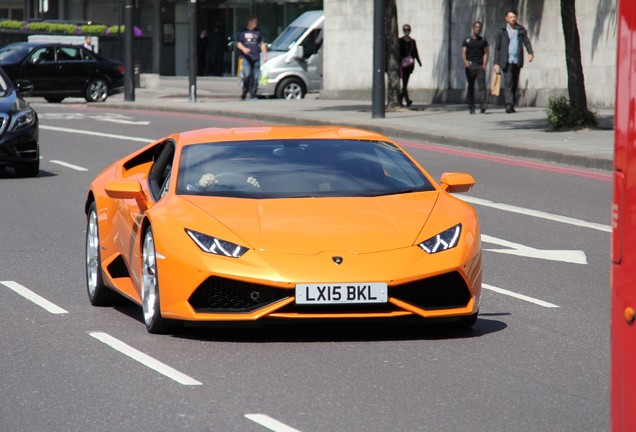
<point x="294" y="65"/>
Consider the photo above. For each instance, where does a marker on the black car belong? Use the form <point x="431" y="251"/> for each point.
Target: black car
<point x="58" y="71"/>
<point x="18" y="128"/>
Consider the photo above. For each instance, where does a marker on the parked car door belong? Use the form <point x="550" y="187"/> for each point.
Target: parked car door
<point x="41" y="68"/>
<point x="76" y="66"/>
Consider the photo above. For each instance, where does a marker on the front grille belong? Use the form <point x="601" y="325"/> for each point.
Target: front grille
<point x="218" y="294"/>
<point x="440" y="292"/>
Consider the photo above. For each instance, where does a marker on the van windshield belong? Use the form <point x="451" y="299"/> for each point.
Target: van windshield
<point x="287" y="38"/>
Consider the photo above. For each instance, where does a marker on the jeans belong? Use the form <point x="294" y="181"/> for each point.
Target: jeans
<point x="250" y="74"/>
<point x="406" y="74"/>
<point x="475" y="72"/>
<point x="511" y="80"/>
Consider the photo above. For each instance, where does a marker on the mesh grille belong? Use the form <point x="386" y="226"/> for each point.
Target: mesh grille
<point x="440" y="292"/>
<point x="227" y="295"/>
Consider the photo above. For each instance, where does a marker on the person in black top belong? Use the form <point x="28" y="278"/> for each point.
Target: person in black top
<point x="251" y="43"/>
<point x="475" y="57"/>
<point x="408" y="55"/>
<point x="509" y="56"/>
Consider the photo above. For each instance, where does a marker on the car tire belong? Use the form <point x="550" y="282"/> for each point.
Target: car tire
<point x="51" y="99"/>
<point x="155" y="323"/>
<point x="96" y="90"/>
<point x="98" y="293"/>
<point x="291" y="88"/>
<point x="30" y="170"/>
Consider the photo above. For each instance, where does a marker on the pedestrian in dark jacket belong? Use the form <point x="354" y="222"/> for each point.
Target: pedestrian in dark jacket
<point x="509" y="56"/>
<point x="408" y="56"/>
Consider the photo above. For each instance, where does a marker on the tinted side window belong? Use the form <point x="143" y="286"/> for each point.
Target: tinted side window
<point x="159" y="176"/>
<point x="44" y="54"/>
<point x="86" y="55"/>
<point x="312" y="43"/>
<point x="68" y="54"/>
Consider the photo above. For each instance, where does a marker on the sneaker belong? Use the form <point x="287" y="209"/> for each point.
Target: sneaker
<point x="471" y="110"/>
<point x="483" y="110"/>
<point x="509" y="109"/>
<point x="409" y="102"/>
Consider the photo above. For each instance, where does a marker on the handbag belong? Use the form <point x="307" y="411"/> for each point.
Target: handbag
<point x="495" y="84"/>
<point x="407" y="61"/>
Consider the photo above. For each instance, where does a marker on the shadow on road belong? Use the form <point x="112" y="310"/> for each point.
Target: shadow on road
<point x="9" y="173"/>
<point x="269" y="331"/>
<point x="343" y="331"/>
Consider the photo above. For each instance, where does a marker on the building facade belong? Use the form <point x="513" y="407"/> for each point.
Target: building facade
<point x="165" y="25"/>
<point x="440" y="26"/>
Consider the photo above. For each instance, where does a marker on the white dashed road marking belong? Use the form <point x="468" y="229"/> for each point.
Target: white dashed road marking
<point x="519" y="296"/>
<point x="535" y="213"/>
<point x="35" y="298"/>
<point x="270" y="423"/>
<point x="99" y="134"/>
<point x="145" y="359"/>
<point x="69" y="165"/>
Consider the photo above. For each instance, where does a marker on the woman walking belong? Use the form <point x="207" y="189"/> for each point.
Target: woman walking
<point x="408" y="56"/>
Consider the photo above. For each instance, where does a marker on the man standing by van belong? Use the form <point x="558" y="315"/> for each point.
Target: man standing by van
<point x="251" y="44"/>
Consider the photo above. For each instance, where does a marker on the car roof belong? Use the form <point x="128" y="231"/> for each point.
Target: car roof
<point x="257" y="133"/>
<point x="38" y="44"/>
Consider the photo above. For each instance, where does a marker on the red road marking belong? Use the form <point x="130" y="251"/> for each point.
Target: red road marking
<point x="509" y="161"/>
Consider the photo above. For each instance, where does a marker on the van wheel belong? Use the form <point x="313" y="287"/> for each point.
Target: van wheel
<point x="291" y="88"/>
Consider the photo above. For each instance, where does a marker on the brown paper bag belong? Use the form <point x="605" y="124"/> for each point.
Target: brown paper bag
<point x="495" y="84"/>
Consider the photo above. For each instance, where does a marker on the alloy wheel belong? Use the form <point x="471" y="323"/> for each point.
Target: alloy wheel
<point x="92" y="254"/>
<point x="149" y="279"/>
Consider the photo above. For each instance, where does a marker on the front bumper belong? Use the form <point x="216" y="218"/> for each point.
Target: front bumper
<point x="201" y="287"/>
<point x="20" y="147"/>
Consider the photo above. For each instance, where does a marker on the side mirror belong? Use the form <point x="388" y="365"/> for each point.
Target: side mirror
<point x="127" y="189"/>
<point x="296" y="53"/>
<point x="456" y="182"/>
<point x="23" y="87"/>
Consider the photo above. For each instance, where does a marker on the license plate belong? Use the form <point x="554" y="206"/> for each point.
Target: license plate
<point x="373" y="292"/>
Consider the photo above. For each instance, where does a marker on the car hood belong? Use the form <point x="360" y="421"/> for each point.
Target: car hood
<point x="314" y="225"/>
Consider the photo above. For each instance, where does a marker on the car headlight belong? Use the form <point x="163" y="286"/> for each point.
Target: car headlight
<point x="22" y="119"/>
<point x="216" y="246"/>
<point x="443" y="241"/>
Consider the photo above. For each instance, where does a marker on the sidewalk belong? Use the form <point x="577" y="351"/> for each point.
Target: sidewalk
<point x="521" y="134"/>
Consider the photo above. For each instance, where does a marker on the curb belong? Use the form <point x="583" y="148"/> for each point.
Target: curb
<point x="544" y="155"/>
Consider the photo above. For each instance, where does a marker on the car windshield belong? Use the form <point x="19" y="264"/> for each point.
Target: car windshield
<point x="298" y="168"/>
<point x="13" y="53"/>
<point x="287" y="38"/>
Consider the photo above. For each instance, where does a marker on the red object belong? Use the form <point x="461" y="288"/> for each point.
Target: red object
<point x="623" y="276"/>
<point x="121" y="70"/>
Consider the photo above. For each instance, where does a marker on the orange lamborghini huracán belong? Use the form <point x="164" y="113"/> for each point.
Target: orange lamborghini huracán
<point x="281" y="223"/>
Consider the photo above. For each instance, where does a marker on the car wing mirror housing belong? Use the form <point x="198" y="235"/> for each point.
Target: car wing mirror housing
<point x="456" y="182"/>
<point x="127" y="189"/>
<point x="296" y="53"/>
<point x="23" y="87"/>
